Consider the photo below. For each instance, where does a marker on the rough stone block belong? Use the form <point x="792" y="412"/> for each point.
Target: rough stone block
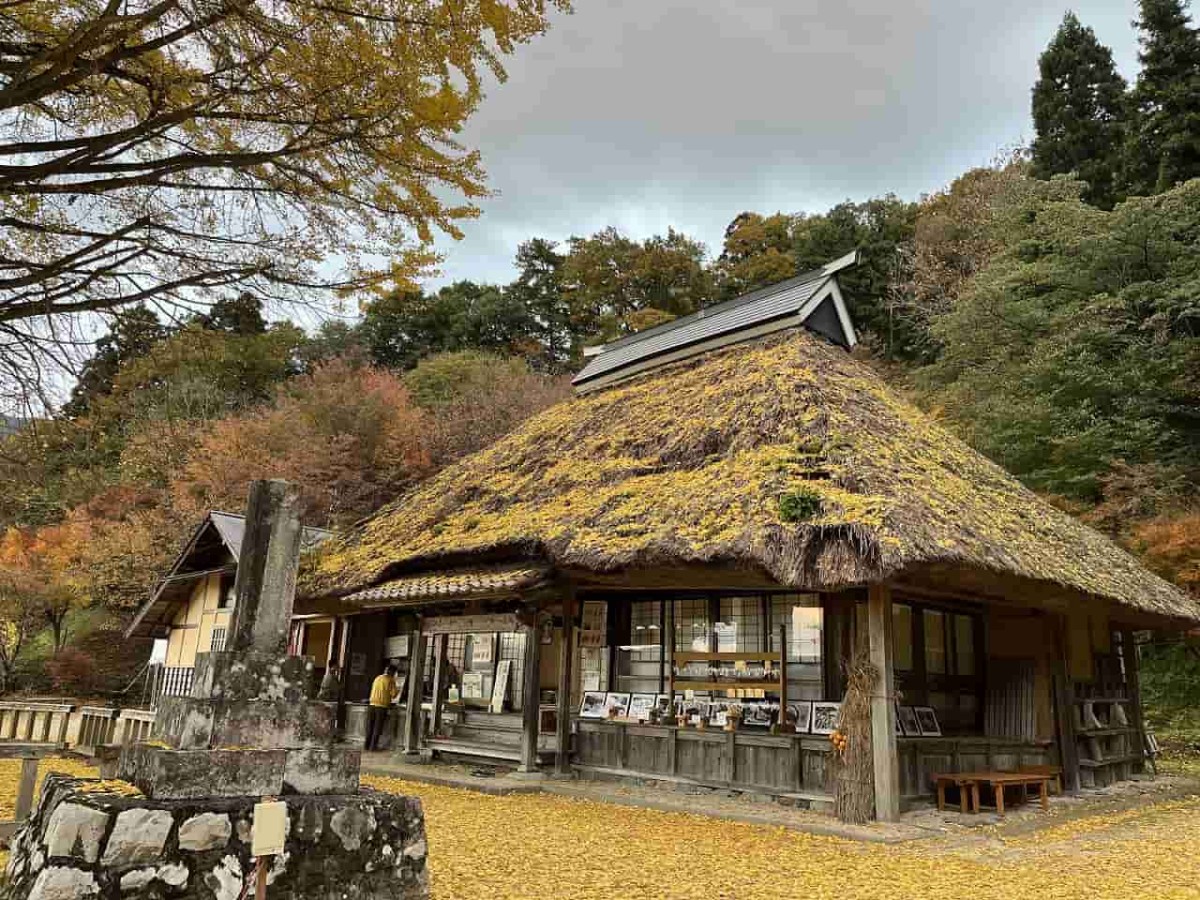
<point x="62" y="883"/>
<point x="207" y="831"/>
<point x="137" y="837"/>
<point x="368" y="846"/>
<point x="187" y="774"/>
<point x="230" y="675"/>
<point x="322" y="771"/>
<point x="75" y="830"/>
<point x="185" y="723"/>
<point x="264" y="723"/>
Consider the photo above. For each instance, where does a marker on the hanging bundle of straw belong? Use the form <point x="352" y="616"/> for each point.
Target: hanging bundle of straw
<point x="854" y="800"/>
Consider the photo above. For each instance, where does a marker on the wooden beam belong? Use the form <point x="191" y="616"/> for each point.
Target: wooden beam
<point x="566" y="654"/>
<point x="1133" y="686"/>
<point x="441" y="643"/>
<point x="1064" y="707"/>
<point x="531" y="700"/>
<point x="416" y="675"/>
<point x="883" y="705"/>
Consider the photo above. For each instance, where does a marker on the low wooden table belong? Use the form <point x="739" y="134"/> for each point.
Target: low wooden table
<point x="968" y="787"/>
<point x="965" y="782"/>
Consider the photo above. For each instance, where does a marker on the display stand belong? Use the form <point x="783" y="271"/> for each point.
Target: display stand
<point x="774" y="685"/>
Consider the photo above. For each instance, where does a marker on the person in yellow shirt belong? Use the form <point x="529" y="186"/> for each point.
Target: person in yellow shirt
<point x="383" y="692"/>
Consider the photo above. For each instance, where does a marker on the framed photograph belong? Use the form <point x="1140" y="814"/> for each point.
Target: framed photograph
<point x="616" y="704"/>
<point x="690" y="710"/>
<point x="593" y="705"/>
<point x="663" y="702"/>
<point x="825" y="716"/>
<point x="757" y="715"/>
<point x="640" y="706"/>
<point x="906" y="718"/>
<point x="483" y="650"/>
<point x="927" y="720"/>
<point x="472" y="685"/>
<point x="718" y="713"/>
<point x="799" y="714"/>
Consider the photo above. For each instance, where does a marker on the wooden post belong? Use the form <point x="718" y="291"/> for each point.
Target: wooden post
<point x="883" y="705"/>
<point x="1133" y="690"/>
<point x="566" y="655"/>
<point x="532" y="698"/>
<point x="29" y="770"/>
<point x="440" y="644"/>
<point x="416" y="677"/>
<point x="783" y="677"/>
<point x="63" y="726"/>
<point x="669" y="642"/>
<point x="1064" y="707"/>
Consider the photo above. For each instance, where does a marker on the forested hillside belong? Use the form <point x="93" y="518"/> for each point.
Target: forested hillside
<point x="1046" y="307"/>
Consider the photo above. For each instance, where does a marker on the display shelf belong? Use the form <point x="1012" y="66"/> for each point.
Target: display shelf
<point x="682" y="684"/>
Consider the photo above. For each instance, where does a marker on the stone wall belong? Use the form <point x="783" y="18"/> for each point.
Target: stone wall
<point x="99" y="839"/>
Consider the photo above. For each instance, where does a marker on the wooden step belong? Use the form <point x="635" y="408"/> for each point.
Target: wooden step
<point x="455" y="747"/>
<point x="486" y="734"/>
<point x="473" y="749"/>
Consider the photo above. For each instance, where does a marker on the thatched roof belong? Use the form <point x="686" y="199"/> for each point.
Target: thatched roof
<point x="785" y="455"/>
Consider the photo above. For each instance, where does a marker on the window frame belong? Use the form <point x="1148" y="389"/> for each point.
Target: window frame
<point x="918" y="684"/>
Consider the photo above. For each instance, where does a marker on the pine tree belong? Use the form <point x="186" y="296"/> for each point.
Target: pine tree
<point x="1078" y="111"/>
<point x="134" y="331"/>
<point x="1164" y="146"/>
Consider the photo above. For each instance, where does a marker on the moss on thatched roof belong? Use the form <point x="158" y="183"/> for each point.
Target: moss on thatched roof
<point x="786" y="455"/>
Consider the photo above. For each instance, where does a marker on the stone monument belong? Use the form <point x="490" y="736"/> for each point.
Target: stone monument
<point x="176" y="822"/>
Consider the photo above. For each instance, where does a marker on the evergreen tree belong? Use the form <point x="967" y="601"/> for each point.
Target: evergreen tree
<point x="1164" y="148"/>
<point x="1078" y="111"/>
<point x="236" y="315"/>
<point x="134" y="331"/>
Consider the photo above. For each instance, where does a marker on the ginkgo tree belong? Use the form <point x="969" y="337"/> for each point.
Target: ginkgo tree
<point x="156" y="149"/>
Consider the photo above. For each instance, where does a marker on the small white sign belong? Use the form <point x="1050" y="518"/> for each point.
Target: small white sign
<point x="500" y="688"/>
<point x="396" y="647"/>
<point x="269" y="829"/>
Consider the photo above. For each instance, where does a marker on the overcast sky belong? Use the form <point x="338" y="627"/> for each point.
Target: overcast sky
<point x="645" y="114"/>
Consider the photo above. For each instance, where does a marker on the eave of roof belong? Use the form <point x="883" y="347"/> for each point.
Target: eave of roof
<point x="451" y="585"/>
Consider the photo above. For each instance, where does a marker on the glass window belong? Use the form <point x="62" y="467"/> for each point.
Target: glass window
<point x="935" y="642"/>
<point x="804" y="624"/>
<point x="964" y="645"/>
<point x="691" y="624"/>
<point x="902" y="637"/>
<point x="744" y="614"/>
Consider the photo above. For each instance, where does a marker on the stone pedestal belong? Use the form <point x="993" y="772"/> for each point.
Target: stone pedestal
<point x="82" y="842"/>
<point x="248" y="729"/>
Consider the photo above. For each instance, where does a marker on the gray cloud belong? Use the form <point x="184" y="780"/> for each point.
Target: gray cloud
<point x="646" y="114"/>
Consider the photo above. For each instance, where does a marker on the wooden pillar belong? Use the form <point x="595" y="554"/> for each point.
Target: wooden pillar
<point x="1064" y="706"/>
<point x="566" y="654"/>
<point x="669" y="652"/>
<point x="416" y="677"/>
<point x="1133" y="690"/>
<point x="883" y="705"/>
<point x="441" y="644"/>
<point x="531" y="700"/>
